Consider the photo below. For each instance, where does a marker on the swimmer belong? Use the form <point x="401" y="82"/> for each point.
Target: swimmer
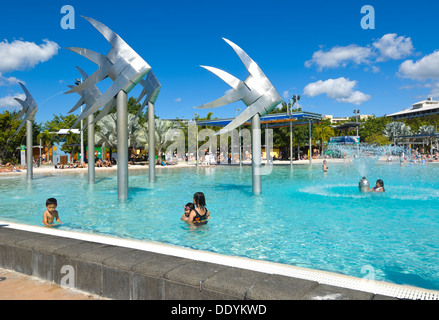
<point x="187" y="210"/>
<point x="51" y="214"/>
<point x="324" y="167"/>
<point x="379" y="186"/>
<point x="401" y="162"/>
<point x="200" y="214"/>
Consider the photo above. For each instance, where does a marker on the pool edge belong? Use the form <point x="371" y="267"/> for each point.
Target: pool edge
<point x="316" y="277"/>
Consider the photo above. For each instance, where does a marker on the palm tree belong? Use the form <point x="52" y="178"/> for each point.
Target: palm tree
<point x="426" y="130"/>
<point x="72" y="139"/>
<point x="134" y="127"/>
<point x="396" y="129"/>
<point x="322" y="132"/>
<point x="46" y="139"/>
<point x="161" y="128"/>
<point x="106" y="132"/>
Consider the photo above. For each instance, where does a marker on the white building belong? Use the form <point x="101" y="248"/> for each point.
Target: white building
<point x="419" y="109"/>
<point x="361" y="117"/>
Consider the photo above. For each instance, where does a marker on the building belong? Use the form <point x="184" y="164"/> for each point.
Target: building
<point x="419" y="109"/>
<point x="361" y="117"/>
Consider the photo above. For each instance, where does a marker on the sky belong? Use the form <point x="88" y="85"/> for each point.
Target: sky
<point x="336" y="57"/>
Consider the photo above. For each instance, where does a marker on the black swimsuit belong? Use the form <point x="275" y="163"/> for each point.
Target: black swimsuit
<point x="200" y="219"/>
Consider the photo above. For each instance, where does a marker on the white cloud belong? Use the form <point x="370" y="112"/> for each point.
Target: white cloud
<point x="21" y="55"/>
<point x="8" y="81"/>
<point x="10" y="102"/>
<point x="434" y="90"/>
<point x="341" y="89"/>
<point x="286" y="94"/>
<point x="390" y="46"/>
<point x="178" y="99"/>
<point x="375" y="69"/>
<point x="426" y="68"/>
<point x="339" y="57"/>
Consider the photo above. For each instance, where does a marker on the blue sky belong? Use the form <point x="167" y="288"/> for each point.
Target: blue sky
<point x="313" y="48"/>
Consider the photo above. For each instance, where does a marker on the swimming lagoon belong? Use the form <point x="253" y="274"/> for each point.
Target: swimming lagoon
<point x="303" y="217"/>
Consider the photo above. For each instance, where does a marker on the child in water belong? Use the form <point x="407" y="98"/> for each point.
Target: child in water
<point x="324" y="167"/>
<point x="379" y="186"/>
<point x="51" y="214"/>
<point x="187" y="210"/>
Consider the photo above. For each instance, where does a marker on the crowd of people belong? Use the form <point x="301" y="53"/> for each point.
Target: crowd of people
<point x="99" y="163"/>
<point x="9" y="167"/>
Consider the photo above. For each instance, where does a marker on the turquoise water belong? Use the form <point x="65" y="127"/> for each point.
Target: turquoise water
<point x="304" y="217"/>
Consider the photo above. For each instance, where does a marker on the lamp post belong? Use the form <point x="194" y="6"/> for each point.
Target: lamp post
<point x="356" y="112"/>
<point x="290" y="105"/>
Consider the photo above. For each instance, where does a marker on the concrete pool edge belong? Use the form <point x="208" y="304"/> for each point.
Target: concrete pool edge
<point x="130" y="269"/>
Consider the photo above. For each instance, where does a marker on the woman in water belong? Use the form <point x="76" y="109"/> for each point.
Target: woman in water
<point x="200" y="214"/>
<point x="379" y="186"/>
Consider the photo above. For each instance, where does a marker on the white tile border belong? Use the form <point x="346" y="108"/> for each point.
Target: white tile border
<point x="322" y="277"/>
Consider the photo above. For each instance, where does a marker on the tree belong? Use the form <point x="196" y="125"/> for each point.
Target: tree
<point x="72" y="139"/>
<point x="106" y="133"/>
<point x="46" y="139"/>
<point x="378" y="139"/>
<point x="281" y="136"/>
<point x="10" y="143"/>
<point x="322" y="132"/>
<point x="60" y="122"/>
<point x="134" y="128"/>
<point x="426" y="130"/>
<point x="161" y="128"/>
<point x="371" y="131"/>
<point x="396" y="129"/>
<point x="416" y="123"/>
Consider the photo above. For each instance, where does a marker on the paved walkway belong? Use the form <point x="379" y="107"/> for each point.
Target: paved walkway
<point x="16" y="286"/>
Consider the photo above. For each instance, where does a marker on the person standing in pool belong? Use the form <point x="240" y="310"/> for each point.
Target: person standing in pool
<point x="324" y="167"/>
<point x="200" y="214"/>
<point x="51" y="214"/>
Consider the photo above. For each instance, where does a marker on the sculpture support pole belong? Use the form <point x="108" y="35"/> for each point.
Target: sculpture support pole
<point x="240" y="155"/>
<point x="91" y="149"/>
<point x="256" y="154"/>
<point x="267" y="151"/>
<point x="291" y="144"/>
<point x="29" y="150"/>
<point x="151" y="142"/>
<point x="122" y="145"/>
<point x="310" y="142"/>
